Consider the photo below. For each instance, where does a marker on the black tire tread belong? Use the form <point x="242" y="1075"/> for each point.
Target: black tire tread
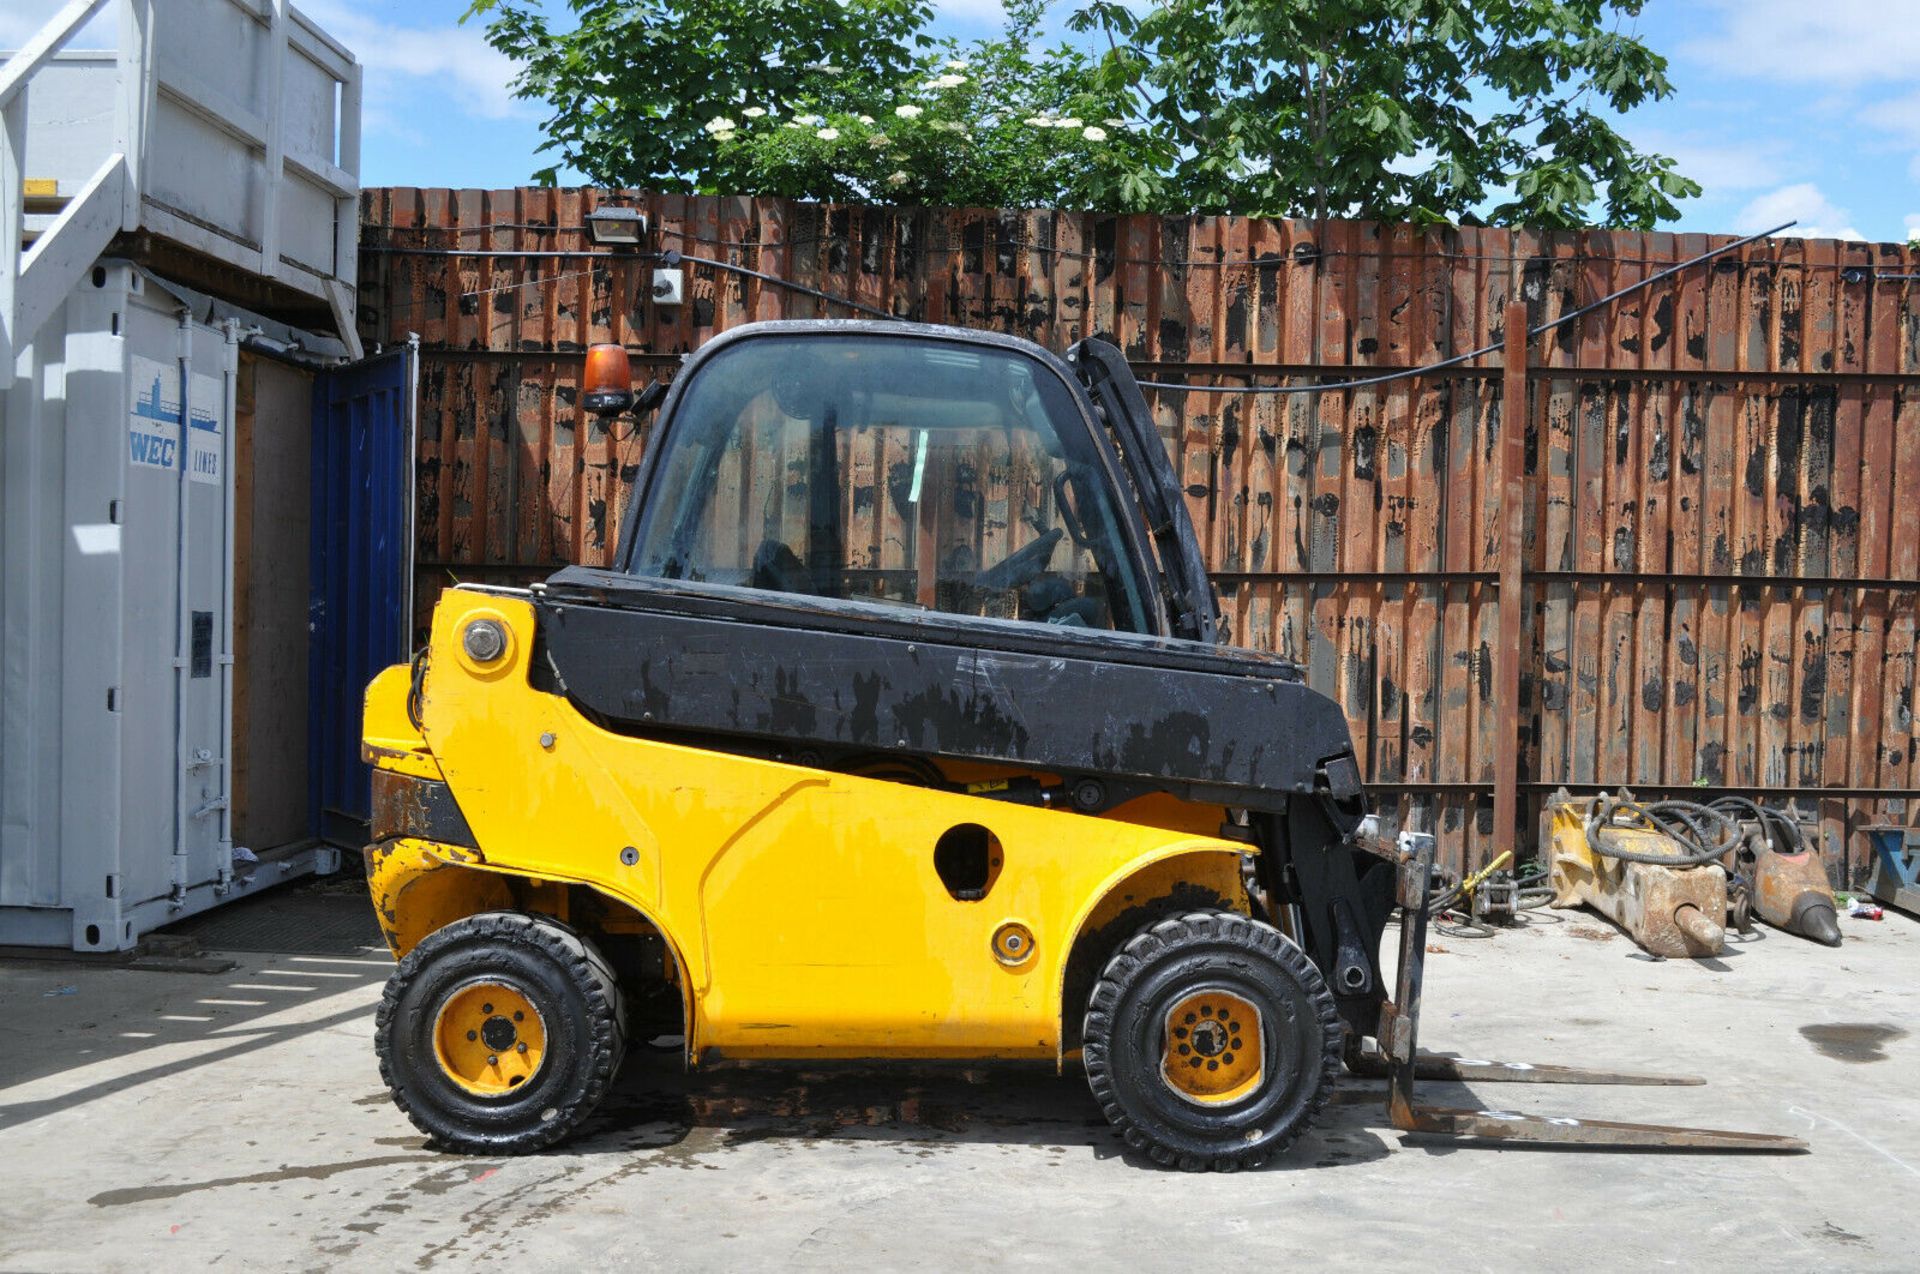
<point x="585" y="966"/>
<point x="1156" y="939"/>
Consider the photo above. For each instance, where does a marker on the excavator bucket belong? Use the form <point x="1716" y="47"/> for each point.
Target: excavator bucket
<point x="1403" y="1062"/>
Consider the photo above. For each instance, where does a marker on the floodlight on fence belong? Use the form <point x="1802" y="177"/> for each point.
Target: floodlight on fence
<point x="624" y="227"/>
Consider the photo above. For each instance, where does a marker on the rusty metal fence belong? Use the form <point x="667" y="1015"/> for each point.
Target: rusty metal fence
<point x="1719" y="476"/>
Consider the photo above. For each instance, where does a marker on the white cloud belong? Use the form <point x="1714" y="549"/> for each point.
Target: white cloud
<point x="1913" y="226"/>
<point x="983" y="11"/>
<point x="1718" y="164"/>
<point x="1817" y="216"/>
<point x="20" y="20"/>
<point x="1899" y="118"/>
<point x="1898" y="115"/>
<point x="454" y="59"/>
<point x="1844" y="42"/>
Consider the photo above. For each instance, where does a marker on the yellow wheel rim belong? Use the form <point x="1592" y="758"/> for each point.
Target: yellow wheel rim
<point x="1215" y="1048"/>
<point x="489" y="1038"/>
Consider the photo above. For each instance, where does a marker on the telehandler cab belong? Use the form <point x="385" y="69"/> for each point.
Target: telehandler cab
<point x="899" y="729"/>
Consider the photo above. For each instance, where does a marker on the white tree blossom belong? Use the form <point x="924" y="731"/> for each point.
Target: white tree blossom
<point x="908" y="111"/>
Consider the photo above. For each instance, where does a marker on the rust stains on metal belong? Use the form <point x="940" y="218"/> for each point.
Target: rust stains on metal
<point x="1720" y="584"/>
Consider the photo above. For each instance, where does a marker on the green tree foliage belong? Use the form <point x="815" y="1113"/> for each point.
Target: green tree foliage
<point x="995" y="123"/>
<point x="1424" y="110"/>
<point x="631" y="82"/>
<point x="1398" y="109"/>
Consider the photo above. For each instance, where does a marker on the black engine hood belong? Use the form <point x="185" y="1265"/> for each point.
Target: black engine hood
<point x="1217" y="723"/>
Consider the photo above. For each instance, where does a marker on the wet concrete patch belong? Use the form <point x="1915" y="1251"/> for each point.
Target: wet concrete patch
<point x="1853" y="1041"/>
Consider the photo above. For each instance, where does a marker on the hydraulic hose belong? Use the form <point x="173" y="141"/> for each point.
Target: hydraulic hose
<point x="1704" y="834"/>
<point x="1782" y="832"/>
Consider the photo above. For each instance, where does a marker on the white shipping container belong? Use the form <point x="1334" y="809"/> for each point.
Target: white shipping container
<point x="177" y="262"/>
<point x="116" y="604"/>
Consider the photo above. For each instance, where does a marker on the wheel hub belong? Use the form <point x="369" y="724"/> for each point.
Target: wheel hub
<point x="1210" y="1038"/>
<point x="1215" y="1048"/>
<point x="489" y="1038"/>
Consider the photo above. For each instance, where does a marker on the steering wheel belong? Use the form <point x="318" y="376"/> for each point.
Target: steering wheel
<point x="779" y="569"/>
<point x="1021" y="565"/>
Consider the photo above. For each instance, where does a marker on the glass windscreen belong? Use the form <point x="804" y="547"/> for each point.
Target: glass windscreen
<point x="916" y="472"/>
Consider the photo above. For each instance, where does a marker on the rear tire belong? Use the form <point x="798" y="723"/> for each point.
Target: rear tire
<point x="500" y="1033"/>
<point x="1165" y="1072"/>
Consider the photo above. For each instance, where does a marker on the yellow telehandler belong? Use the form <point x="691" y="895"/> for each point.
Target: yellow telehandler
<point x="900" y="728"/>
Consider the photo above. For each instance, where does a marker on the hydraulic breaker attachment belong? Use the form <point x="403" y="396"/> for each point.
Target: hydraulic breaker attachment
<point x="1630" y="870"/>
<point x="1399" y="1049"/>
<point x="1779" y="859"/>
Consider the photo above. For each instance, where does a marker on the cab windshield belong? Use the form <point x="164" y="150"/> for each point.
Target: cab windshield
<point x="924" y="473"/>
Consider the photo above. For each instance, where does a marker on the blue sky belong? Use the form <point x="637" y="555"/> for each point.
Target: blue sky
<point x="1806" y="109"/>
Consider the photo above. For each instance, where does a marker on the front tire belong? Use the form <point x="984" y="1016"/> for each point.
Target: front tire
<point x="500" y="1033"/>
<point x="1211" y="1042"/>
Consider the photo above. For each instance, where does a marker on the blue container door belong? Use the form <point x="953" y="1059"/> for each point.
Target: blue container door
<point x="359" y="605"/>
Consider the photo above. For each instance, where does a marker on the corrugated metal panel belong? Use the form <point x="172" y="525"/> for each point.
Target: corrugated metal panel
<point x="1722" y="470"/>
<point x="357" y="573"/>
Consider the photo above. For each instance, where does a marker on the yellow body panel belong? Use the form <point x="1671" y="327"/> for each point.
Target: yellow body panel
<point x="802" y="905"/>
<point x="388" y="738"/>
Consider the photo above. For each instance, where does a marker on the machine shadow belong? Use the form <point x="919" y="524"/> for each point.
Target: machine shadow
<point x="656" y="1106"/>
<point x="305" y="957"/>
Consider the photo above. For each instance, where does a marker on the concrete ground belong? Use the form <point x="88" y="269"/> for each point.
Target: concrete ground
<point x="174" y="1120"/>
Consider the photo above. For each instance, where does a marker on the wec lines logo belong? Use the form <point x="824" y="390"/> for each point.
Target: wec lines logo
<point x="153" y="436"/>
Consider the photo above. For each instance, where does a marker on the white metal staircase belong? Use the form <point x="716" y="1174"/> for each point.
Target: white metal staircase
<point x="186" y="135"/>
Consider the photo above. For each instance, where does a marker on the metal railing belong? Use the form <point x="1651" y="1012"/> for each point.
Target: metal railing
<point x="34" y="278"/>
<point x="121" y="195"/>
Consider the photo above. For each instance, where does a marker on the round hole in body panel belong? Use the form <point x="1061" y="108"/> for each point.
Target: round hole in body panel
<point x="967" y="858"/>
